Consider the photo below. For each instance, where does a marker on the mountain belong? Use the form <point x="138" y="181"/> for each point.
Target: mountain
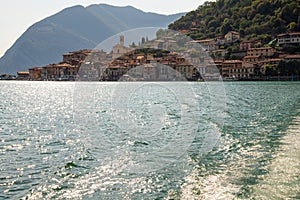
<point x="254" y="19"/>
<point x="72" y="29"/>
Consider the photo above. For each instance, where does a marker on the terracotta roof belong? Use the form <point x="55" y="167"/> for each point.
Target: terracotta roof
<point x="140" y="57"/>
<point x="234" y="32"/>
<point x="249" y="41"/>
<point x="260" y="48"/>
<point x="219" y="50"/>
<point x="68" y="54"/>
<point x="35" y="68"/>
<point x="23" y="73"/>
<point x="292" y="56"/>
<point x="271" y="60"/>
<point x="251" y="57"/>
<point x="63" y="65"/>
<point x="294" y="33"/>
<point x="184" y="31"/>
<point x="232" y="61"/>
<point x="200" y="41"/>
<point x="84" y="51"/>
<point x="218" y="61"/>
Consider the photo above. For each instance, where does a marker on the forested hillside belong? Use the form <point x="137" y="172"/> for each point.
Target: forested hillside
<point x="254" y="19"/>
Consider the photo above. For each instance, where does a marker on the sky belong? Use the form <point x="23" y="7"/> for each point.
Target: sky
<point x="18" y="15"/>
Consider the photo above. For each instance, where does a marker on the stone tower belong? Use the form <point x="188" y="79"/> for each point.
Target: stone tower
<point x="122" y="40"/>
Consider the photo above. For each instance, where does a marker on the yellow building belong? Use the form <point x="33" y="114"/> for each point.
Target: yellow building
<point x="61" y="71"/>
<point x="35" y="73"/>
<point x="233" y="69"/>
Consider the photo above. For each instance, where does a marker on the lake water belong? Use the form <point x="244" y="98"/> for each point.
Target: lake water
<point x="66" y="140"/>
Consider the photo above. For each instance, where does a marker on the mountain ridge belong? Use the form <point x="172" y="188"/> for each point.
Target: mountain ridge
<point x="74" y="28"/>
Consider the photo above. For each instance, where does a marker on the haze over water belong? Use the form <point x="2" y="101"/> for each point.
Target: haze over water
<point x="51" y="148"/>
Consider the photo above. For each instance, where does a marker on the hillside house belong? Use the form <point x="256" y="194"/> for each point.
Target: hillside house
<point x="207" y="44"/>
<point x="76" y="57"/>
<point x="289" y="38"/>
<point x="232" y="36"/>
<point x="247" y="44"/>
<point x="263" y="51"/>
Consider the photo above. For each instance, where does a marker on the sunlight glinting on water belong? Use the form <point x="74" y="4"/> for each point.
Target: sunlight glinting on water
<point x="283" y="179"/>
<point x="48" y="157"/>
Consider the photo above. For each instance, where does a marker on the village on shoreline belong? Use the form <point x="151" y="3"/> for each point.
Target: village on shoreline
<point x="253" y="61"/>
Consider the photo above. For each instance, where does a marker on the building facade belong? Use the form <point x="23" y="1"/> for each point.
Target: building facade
<point x="289" y="38"/>
<point x="120" y="49"/>
<point x="232" y="36"/>
<point x="263" y="52"/>
<point x="247" y="44"/>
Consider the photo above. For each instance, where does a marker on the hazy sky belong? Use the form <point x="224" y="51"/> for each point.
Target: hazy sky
<point x="18" y="15"/>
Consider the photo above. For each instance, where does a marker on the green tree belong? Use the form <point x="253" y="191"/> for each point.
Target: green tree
<point x="292" y="26"/>
<point x="226" y="26"/>
<point x="270" y="70"/>
<point x="143" y="40"/>
<point x="253" y="16"/>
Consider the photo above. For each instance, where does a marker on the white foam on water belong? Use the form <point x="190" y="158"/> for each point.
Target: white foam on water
<point x="212" y="187"/>
<point x="283" y="179"/>
<point x="216" y="186"/>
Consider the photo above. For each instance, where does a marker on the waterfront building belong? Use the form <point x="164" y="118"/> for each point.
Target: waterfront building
<point x="7" y="77"/>
<point x="35" y="73"/>
<point x="212" y="71"/>
<point x="23" y="75"/>
<point x="186" y="70"/>
<point x="271" y="61"/>
<point x="61" y="71"/>
<point x="234" y="69"/>
<point x="113" y="73"/>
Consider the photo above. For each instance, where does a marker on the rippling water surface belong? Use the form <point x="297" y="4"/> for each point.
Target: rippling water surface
<point x="149" y="140"/>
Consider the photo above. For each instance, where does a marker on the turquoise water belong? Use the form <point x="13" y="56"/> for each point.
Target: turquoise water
<point x="237" y="140"/>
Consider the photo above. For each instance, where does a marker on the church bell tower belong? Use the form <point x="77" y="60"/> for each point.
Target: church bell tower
<point x="122" y="40"/>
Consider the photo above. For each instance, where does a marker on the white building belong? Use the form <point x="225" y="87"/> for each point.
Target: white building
<point x="289" y="38"/>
